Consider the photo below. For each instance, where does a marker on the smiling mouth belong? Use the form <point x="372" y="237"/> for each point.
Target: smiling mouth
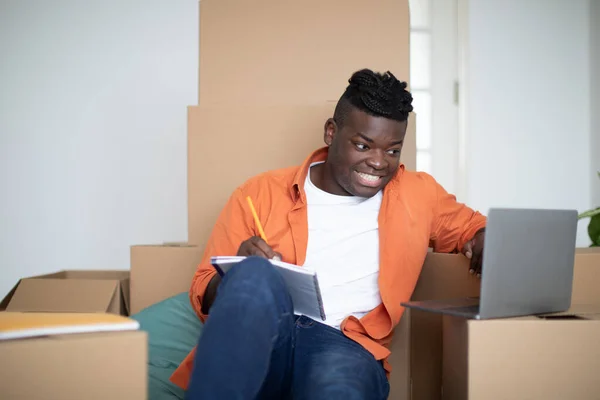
<point x="368" y="179"/>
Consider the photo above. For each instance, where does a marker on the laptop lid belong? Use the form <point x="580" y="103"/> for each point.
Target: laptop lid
<point x="527" y="262"/>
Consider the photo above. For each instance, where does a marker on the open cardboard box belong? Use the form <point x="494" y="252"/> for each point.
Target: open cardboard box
<point x="417" y="348"/>
<point x="71" y="291"/>
<point x="108" y="365"/>
<point x="551" y="357"/>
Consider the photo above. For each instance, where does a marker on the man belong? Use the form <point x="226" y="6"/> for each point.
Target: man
<point x="353" y="213"/>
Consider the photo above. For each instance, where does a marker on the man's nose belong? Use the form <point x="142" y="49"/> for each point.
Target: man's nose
<point x="377" y="160"/>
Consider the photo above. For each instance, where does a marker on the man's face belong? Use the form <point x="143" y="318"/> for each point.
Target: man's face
<point x="364" y="153"/>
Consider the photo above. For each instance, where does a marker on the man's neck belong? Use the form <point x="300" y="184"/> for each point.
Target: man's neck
<point x="321" y="176"/>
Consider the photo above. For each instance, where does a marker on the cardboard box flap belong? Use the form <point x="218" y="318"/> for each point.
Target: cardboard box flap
<point x="125" y="293"/>
<point x="60" y="295"/>
<point x="94" y="274"/>
<point x="576" y="311"/>
<point x="9" y="295"/>
<point x="121" y="275"/>
<point x="58" y="274"/>
<point x="6" y="299"/>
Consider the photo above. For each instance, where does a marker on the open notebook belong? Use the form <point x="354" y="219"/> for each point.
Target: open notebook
<point x="17" y="325"/>
<point x="302" y="284"/>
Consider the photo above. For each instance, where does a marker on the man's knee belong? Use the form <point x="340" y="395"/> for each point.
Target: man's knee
<point x="257" y="278"/>
<point x="257" y="270"/>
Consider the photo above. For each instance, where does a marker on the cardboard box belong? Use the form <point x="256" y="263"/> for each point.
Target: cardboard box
<point x="417" y="346"/>
<point x="551" y="357"/>
<point x="296" y="52"/>
<point x="266" y="138"/>
<point x="586" y="279"/>
<point x="74" y="367"/>
<point x="161" y="271"/>
<point x="441" y="278"/>
<point x="71" y="291"/>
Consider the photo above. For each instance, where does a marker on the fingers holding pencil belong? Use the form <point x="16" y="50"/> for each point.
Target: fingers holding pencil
<point x="256" y="246"/>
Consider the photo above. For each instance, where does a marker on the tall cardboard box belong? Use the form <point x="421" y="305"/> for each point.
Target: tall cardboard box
<point x="296" y="52"/>
<point x="552" y="357"/>
<point x="257" y="139"/>
<point x="256" y="59"/>
<point x="71" y="291"/>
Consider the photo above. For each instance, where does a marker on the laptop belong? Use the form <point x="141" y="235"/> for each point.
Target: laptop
<point x="527" y="268"/>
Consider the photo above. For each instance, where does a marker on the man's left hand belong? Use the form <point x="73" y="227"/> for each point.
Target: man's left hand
<point x="473" y="250"/>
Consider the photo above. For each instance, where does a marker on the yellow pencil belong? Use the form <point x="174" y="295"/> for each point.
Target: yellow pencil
<point x="256" y="220"/>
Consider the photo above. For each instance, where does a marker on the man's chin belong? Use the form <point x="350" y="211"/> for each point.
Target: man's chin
<point x="364" y="191"/>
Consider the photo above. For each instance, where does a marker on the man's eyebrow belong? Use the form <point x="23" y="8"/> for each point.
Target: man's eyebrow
<point x="366" y="138"/>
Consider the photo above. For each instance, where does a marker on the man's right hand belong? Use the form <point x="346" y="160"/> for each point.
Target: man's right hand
<point x="255" y="246"/>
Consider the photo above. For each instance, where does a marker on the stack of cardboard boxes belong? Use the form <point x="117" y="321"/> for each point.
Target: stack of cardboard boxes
<point x="270" y="75"/>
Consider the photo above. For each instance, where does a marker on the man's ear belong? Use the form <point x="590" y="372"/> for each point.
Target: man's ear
<point x="330" y="130"/>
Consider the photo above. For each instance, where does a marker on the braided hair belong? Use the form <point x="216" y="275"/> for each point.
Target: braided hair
<point x="377" y="94"/>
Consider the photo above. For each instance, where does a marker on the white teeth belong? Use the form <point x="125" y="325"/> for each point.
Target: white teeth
<point x="369" y="177"/>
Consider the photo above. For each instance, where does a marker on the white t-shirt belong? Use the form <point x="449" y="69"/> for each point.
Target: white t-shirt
<point x="343" y="247"/>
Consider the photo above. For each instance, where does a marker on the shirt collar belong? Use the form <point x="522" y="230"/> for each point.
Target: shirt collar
<point x="297" y="188"/>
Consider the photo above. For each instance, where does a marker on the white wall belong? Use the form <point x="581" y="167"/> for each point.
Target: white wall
<point x="93" y="100"/>
<point x="528" y="119"/>
<point x="595" y="98"/>
<point x="92" y="130"/>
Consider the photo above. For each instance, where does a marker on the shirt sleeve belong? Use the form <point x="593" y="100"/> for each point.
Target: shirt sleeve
<point x="453" y="223"/>
<point x="231" y="229"/>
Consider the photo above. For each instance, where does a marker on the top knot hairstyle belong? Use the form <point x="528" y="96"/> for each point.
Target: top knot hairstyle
<point x="377" y="94"/>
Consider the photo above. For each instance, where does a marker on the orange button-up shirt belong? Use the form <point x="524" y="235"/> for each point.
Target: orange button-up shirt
<point x="416" y="213"/>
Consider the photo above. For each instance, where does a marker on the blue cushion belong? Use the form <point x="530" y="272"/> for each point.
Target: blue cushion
<point x="173" y="330"/>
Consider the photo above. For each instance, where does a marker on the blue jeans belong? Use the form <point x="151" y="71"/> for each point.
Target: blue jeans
<point x="254" y="347"/>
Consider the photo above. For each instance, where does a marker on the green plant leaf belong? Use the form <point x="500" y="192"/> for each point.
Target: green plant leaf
<point x="594" y="229"/>
<point x="589" y="213"/>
